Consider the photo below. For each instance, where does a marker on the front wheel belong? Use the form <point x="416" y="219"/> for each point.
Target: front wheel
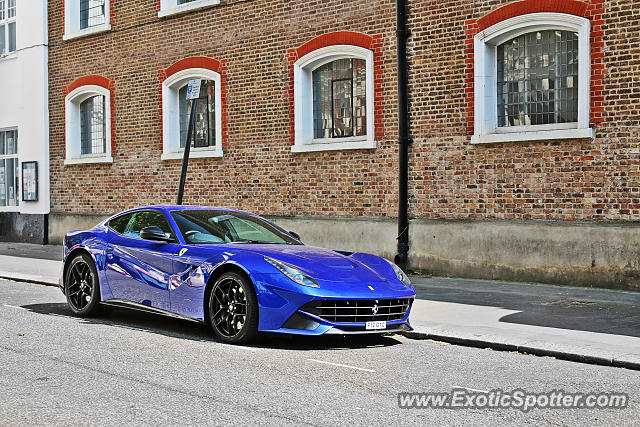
<point x="233" y="309"/>
<point x="82" y="286"/>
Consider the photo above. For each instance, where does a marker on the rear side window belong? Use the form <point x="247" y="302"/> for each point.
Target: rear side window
<point x="142" y="219"/>
<point x="120" y="223"/>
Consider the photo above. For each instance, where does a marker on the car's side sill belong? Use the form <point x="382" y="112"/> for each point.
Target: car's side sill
<point x="141" y="307"/>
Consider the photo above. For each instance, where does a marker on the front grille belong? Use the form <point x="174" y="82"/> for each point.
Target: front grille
<point x="359" y="311"/>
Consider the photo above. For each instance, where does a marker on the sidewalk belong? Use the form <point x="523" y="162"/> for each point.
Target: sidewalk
<point x="581" y="324"/>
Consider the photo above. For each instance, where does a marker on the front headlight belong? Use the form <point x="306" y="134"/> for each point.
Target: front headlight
<point x="400" y="274"/>
<point x="293" y="273"/>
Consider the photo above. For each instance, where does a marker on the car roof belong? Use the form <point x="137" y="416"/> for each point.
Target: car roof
<point x="182" y="208"/>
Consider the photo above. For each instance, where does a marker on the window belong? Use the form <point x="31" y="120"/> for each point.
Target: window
<point x="85" y="17"/>
<point x="145" y="219"/>
<point x="204" y="132"/>
<point x="538" y="79"/>
<point x="339" y="99"/>
<point x="172" y="7"/>
<point x="532" y="79"/>
<point x="7" y="26"/>
<point x="207" y="134"/>
<point x="334" y="99"/>
<point x="9" y="178"/>
<point x="88" y="125"/>
<point x="208" y="226"/>
<point x="92" y="126"/>
<point x="92" y="13"/>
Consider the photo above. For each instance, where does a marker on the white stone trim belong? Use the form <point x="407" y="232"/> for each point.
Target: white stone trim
<point x="303" y="100"/>
<point x="72" y="125"/>
<point x="485" y="70"/>
<point x="171" y="7"/>
<point x="72" y="21"/>
<point x="170" y="114"/>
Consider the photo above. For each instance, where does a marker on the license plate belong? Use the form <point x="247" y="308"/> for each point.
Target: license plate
<point x="380" y="324"/>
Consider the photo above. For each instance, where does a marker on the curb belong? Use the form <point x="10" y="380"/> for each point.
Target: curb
<point x="35" y="281"/>
<point x="536" y="351"/>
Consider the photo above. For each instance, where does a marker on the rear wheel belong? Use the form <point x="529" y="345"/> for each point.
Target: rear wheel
<point x="82" y="286"/>
<point x="233" y="309"/>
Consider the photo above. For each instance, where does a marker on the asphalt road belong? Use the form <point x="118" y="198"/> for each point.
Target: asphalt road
<point x="133" y="368"/>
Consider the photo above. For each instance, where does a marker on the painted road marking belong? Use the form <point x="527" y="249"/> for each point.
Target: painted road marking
<point x="340" y="365"/>
<point x="471" y="389"/>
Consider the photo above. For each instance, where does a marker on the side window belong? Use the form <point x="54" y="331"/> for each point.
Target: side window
<point x="120" y="223"/>
<point x="147" y="219"/>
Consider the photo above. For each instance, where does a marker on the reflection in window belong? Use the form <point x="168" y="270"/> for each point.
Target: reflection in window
<point x="538" y="79"/>
<point x="205" y="125"/>
<point x="9" y="178"/>
<point x="339" y="99"/>
<point x="93" y="126"/>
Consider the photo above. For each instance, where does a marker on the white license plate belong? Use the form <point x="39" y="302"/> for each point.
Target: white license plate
<point x="380" y="324"/>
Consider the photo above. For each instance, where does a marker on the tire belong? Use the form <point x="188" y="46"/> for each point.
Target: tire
<point x="82" y="286"/>
<point x="233" y="309"/>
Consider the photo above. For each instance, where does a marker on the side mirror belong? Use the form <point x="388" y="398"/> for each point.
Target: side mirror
<point x="295" y="235"/>
<point x="154" y="233"/>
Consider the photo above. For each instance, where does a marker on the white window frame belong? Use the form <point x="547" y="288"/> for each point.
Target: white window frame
<point x="16" y="156"/>
<point x="72" y="21"/>
<point x="171" y="149"/>
<point x="303" y="100"/>
<point x="73" y="147"/>
<point x="486" y="130"/>
<point x="5" y="22"/>
<point x="171" y="7"/>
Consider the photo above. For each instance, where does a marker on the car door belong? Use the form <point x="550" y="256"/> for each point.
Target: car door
<point x="140" y="270"/>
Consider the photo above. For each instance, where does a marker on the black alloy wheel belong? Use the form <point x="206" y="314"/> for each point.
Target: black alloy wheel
<point x="233" y="309"/>
<point x="82" y="286"/>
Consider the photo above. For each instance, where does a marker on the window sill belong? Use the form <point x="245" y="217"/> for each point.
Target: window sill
<point x="187" y="7"/>
<point x="87" y="32"/>
<point x="193" y="154"/>
<point x="540" y="135"/>
<point x="341" y="144"/>
<point x="88" y="160"/>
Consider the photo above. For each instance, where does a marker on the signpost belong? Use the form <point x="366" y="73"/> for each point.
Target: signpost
<point x="193" y="93"/>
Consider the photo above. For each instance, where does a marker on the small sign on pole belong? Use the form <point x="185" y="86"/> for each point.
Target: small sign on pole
<point x="193" y="90"/>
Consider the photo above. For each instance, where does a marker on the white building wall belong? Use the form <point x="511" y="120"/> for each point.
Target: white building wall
<point x="24" y="98"/>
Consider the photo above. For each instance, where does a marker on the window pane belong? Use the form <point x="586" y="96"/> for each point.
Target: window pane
<point x="92" y="13"/>
<point x="205" y="125"/>
<point x="147" y="219"/>
<point x="11" y="142"/>
<point x="537" y="81"/>
<point x="184" y="1"/>
<point x="92" y="126"/>
<point x="12" y="8"/>
<point x="2" y="40"/>
<point x="2" y="9"/>
<point x="339" y="99"/>
<point x="9" y="182"/>
<point x="12" y="36"/>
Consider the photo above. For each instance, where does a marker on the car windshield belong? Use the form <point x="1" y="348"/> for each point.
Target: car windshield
<point x="199" y="226"/>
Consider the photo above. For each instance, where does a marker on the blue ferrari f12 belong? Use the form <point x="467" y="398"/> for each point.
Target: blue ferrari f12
<point x="236" y="271"/>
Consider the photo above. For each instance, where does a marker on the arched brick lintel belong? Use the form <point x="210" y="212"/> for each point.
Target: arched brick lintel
<point x="336" y="38"/>
<point x="194" y="62"/>
<point x="524" y="7"/>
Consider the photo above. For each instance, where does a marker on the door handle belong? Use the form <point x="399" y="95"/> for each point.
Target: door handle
<point x="109" y="252"/>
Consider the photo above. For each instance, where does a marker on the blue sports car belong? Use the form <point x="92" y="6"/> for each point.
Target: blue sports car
<point x="236" y="271"/>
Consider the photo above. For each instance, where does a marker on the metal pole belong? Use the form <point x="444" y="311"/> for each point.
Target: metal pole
<point x="402" y="34"/>
<point x="187" y="149"/>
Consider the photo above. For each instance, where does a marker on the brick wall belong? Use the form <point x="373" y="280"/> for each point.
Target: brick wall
<point x="450" y="178"/>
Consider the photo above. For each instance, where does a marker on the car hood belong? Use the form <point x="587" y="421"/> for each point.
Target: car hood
<point x="325" y="264"/>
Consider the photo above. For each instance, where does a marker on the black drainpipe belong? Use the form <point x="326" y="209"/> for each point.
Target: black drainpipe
<point x="402" y="35"/>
